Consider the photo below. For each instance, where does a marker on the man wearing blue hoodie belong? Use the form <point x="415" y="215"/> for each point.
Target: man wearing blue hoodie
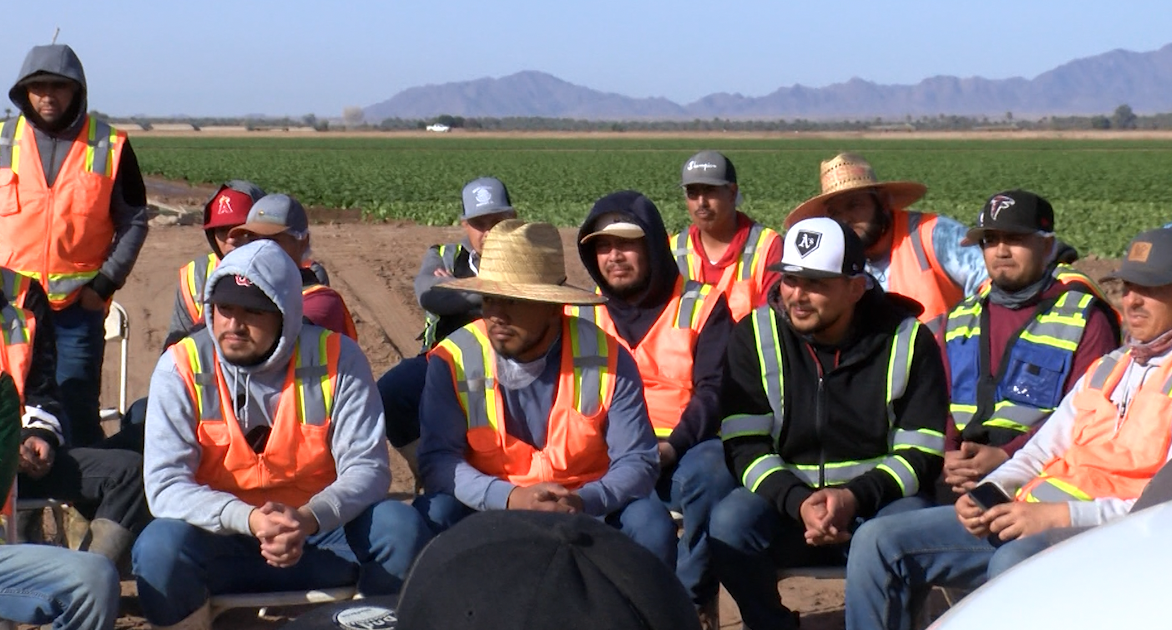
<point x="72" y="215"/>
<point x="268" y="462"/>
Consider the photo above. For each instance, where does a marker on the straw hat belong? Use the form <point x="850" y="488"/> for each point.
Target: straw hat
<point x="848" y="172"/>
<point x="524" y="261"/>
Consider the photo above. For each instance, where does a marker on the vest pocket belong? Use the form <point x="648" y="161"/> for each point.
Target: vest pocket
<point x="9" y="197"/>
<point x="1036" y="377"/>
<point x="91" y="195"/>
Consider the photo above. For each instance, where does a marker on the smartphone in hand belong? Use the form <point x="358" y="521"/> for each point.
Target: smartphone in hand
<point x="988" y="494"/>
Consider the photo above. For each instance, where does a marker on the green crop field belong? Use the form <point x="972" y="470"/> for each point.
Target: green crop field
<point x="1103" y="191"/>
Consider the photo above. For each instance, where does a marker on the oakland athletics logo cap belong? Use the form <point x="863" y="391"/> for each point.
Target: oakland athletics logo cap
<point x="821" y="248"/>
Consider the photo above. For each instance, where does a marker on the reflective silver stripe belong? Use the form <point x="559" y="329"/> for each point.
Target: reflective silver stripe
<point x="589" y="363"/>
<point x="741" y="425"/>
<point x="690" y="300"/>
<point x="750" y="251"/>
<point x="1167" y="389"/>
<point x="961" y="418"/>
<point x="205" y="377"/>
<point x="772" y="375"/>
<point x="7" y="140"/>
<point x="681" y="249"/>
<point x="448" y="255"/>
<point x="759" y="470"/>
<point x="836" y="473"/>
<point x="587" y="312"/>
<point x="923" y="439"/>
<point x="310" y="371"/>
<point x="899" y="370"/>
<point x="1022" y="415"/>
<point x="477" y="377"/>
<point x="15" y="330"/>
<point x="1047" y="492"/>
<point x="936" y="324"/>
<point x="65" y="286"/>
<point x="99" y="141"/>
<point x="913" y="229"/>
<point x="1103" y="371"/>
<point x="903" y="473"/>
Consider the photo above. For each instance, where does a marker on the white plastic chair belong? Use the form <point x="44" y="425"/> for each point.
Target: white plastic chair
<point x="263" y="601"/>
<point x="118" y="329"/>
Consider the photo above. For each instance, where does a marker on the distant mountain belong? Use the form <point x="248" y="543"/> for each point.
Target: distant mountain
<point x="1093" y="85"/>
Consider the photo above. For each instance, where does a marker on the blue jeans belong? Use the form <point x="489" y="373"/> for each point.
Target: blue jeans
<point x="401" y="389"/>
<point x="70" y="589"/>
<point x="750" y="540"/>
<point x="81" y="346"/>
<point x="646" y="521"/>
<point x="178" y="565"/>
<point x="697" y="483"/>
<point x="899" y="558"/>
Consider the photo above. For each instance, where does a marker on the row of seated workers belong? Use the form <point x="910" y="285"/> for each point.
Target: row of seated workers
<point x="728" y="401"/>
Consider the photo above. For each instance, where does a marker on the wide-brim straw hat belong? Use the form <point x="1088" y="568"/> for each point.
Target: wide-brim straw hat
<point x="847" y="172"/>
<point x="524" y="261"/>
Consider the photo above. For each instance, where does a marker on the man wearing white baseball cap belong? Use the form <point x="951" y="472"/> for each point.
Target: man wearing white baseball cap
<point x="834" y="403"/>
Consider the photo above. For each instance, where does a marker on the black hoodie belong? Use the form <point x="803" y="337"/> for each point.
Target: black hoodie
<point x="632" y="320"/>
<point x="128" y="200"/>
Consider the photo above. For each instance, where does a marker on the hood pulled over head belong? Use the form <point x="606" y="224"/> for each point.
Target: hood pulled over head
<point x="56" y="61"/>
<point x="641" y="211"/>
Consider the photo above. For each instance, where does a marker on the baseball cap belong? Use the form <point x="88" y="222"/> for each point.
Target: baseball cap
<point x="238" y="290"/>
<point x="615" y="224"/>
<point x="273" y="214"/>
<point x="821" y="248"/>
<point x="1016" y="211"/>
<point x="708" y="167"/>
<point x="230" y="204"/>
<point x="1148" y="262"/>
<point x="486" y="195"/>
<point x="514" y="570"/>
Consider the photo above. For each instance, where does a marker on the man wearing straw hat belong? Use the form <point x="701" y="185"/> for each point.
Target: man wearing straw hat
<point x="678" y="331"/>
<point x="915" y="254"/>
<point x="532" y="409"/>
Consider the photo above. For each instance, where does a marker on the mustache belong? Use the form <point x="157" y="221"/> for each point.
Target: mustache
<point x="617" y="267"/>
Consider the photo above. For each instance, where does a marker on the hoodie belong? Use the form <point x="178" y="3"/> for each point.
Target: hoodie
<point x="357" y="435"/>
<point x="633" y="319"/>
<point x="128" y="200"/>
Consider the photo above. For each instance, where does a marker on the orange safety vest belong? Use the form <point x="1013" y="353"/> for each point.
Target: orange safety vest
<point x="915" y="272"/>
<point x="18" y="329"/>
<point x="351" y="330"/>
<point x="743" y="284"/>
<point x="297" y="462"/>
<point x="575" y="450"/>
<point x="1110" y="456"/>
<point x="192" y="278"/>
<point x="666" y="353"/>
<point x="61" y="235"/>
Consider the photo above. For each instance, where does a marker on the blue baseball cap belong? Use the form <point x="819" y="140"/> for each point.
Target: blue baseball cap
<point x="484" y="196"/>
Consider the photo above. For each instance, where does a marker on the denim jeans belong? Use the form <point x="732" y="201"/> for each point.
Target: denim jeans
<point x="401" y="390"/>
<point x="900" y="558"/>
<point x="81" y="346"/>
<point x="646" y="521"/>
<point x="69" y="589"/>
<point x="697" y="483"/>
<point x="178" y="565"/>
<point x="751" y="540"/>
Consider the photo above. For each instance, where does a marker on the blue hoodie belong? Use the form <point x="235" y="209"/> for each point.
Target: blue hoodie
<point x="357" y="434"/>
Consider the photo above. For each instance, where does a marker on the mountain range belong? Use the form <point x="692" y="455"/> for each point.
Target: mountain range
<point x="1092" y="85"/>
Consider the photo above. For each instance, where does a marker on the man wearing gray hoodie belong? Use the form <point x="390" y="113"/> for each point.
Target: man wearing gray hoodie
<point x="268" y="468"/>
<point x="72" y="215"/>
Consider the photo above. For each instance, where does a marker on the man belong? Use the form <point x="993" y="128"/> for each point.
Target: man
<point x="914" y="254"/>
<point x="677" y="330"/>
<point x="723" y="246"/>
<point x="40" y="584"/>
<point x="1016" y="347"/>
<point x="486" y="203"/>
<point x="834" y="403"/>
<point x="104" y="484"/>
<point x="529" y="409"/>
<point x="72" y="215"/>
<point x="268" y="464"/>
<point x="1086" y="466"/>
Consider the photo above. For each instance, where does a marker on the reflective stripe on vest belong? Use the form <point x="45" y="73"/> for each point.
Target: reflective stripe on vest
<point x="101" y="140"/>
<point x="192" y="278"/>
<point x="831" y="473"/>
<point x="15" y="286"/>
<point x="448" y="254"/>
<point x="741" y="283"/>
<point x="915" y="272"/>
<point x="1050" y="339"/>
<point x="17" y="331"/>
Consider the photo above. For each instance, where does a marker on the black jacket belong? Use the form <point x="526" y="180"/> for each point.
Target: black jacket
<point x="700" y="420"/>
<point x="43" y="416"/>
<point x="842" y="415"/>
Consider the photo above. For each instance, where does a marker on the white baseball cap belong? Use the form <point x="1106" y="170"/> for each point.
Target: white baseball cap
<point x="821" y="248"/>
<point x="615" y="224"/>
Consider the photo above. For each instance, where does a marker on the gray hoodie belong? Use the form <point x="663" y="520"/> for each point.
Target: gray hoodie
<point x="128" y="200"/>
<point x="357" y="434"/>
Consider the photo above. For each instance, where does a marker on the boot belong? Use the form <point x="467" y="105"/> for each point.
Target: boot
<point x="110" y="539"/>
<point x="77" y="530"/>
<point x="201" y="619"/>
<point x="410" y="454"/>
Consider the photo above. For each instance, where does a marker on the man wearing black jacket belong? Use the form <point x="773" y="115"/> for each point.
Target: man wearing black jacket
<point x="834" y="405"/>
<point x="677" y="330"/>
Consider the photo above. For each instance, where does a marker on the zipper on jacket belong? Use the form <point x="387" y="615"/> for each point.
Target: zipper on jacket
<point x="819" y="416"/>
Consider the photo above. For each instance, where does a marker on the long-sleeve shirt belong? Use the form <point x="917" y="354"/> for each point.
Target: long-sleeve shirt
<point x="1055" y="438"/>
<point x="964" y="264"/>
<point x="631" y="445"/>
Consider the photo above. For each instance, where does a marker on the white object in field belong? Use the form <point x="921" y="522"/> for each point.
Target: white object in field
<point x="439" y="128"/>
<point x="261" y="601"/>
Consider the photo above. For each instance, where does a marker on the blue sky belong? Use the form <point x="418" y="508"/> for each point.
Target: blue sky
<point x="218" y="57"/>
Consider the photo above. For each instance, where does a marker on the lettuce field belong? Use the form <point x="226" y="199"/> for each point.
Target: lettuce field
<point x="1103" y="191"/>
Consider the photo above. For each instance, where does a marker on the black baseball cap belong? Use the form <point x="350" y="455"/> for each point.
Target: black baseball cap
<point x="1015" y="211"/>
<point x="237" y="290"/>
<point x="708" y="167"/>
<point x="1148" y="262"/>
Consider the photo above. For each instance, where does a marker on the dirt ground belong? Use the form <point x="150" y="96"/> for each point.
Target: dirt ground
<point x="372" y="265"/>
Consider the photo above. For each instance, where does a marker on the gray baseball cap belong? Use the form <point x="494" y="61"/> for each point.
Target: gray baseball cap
<point x="708" y="167"/>
<point x="1148" y="262"/>
<point x="486" y="195"/>
<point x="273" y="214"/>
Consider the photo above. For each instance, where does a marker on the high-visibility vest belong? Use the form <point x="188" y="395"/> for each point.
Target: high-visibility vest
<point x="18" y="329"/>
<point x="1110" y="456"/>
<point x="192" y="278"/>
<point x="297" y="462"/>
<point x="448" y="254"/>
<point x="1036" y="367"/>
<point x="351" y="330"/>
<point x="575" y="451"/>
<point x="59" y="236"/>
<point x="831" y="472"/>
<point x="15" y="286"/>
<point x="742" y="284"/>
<point x="915" y="271"/>
<point x="666" y="353"/>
